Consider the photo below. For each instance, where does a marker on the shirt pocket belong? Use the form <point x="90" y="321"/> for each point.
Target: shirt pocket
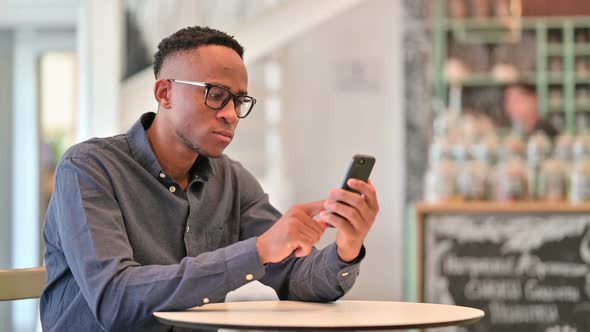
<point x="215" y="238"/>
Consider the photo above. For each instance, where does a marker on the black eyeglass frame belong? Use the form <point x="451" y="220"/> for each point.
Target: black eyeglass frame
<point x="231" y="95"/>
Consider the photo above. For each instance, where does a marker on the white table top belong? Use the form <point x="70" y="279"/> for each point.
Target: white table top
<point x="340" y="315"/>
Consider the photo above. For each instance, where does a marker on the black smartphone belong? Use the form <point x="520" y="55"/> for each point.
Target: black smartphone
<point x="359" y="168"/>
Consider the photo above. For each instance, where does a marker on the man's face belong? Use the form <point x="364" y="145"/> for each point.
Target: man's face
<point x="195" y="125"/>
<point x="521" y="106"/>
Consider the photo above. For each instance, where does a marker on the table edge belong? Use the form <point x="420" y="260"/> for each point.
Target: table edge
<point x="459" y="322"/>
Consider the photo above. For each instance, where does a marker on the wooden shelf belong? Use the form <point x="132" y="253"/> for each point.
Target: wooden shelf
<point x="558" y="49"/>
<point x="487" y="79"/>
<point x="499" y="207"/>
<point x="527" y="23"/>
<point x="578" y="108"/>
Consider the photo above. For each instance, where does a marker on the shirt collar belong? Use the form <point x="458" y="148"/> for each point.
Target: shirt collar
<point x="202" y="168"/>
<point x="142" y="151"/>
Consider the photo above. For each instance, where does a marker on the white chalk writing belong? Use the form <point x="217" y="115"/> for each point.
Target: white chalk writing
<point x="501" y="313"/>
<point x="473" y="266"/>
<point x="533" y="266"/>
<point x="493" y="289"/>
<point x="550" y="293"/>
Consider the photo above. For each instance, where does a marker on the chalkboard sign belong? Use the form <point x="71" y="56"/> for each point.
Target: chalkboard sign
<point x="527" y="271"/>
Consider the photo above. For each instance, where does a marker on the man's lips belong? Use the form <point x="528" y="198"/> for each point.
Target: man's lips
<point x="224" y="135"/>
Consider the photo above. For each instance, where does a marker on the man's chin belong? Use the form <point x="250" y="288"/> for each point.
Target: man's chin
<point x="208" y="149"/>
<point x="211" y="153"/>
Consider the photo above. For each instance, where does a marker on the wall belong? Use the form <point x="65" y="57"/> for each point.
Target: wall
<point x="29" y="13"/>
<point x="99" y="33"/>
<point x="343" y="95"/>
<point x="418" y="109"/>
<point x="6" y="51"/>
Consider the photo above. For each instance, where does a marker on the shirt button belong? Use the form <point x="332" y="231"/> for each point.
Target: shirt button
<point x="249" y="277"/>
<point x="206" y="300"/>
<point x="344" y="274"/>
<point x="172" y="189"/>
<point x="162" y="175"/>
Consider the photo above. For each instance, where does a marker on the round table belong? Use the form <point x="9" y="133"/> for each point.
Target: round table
<point x="340" y="315"/>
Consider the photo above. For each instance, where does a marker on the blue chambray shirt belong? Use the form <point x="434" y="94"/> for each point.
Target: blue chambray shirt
<point x="122" y="240"/>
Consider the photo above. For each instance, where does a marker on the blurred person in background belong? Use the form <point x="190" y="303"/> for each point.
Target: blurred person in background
<point x="159" y="219"/>
<point x="520" y="103"/>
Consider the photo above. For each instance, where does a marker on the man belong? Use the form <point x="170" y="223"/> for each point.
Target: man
<point x="520" y="102"/>
<point x="159" y="219"/>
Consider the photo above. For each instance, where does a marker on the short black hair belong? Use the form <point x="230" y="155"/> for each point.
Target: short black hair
<point x="190" y="38"/>
<point x="525" y="86"/>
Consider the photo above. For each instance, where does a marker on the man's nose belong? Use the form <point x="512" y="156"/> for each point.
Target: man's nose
<point x="228" y="112"/>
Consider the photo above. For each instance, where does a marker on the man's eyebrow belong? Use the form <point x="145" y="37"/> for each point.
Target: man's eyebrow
<point x="240" y="93"/>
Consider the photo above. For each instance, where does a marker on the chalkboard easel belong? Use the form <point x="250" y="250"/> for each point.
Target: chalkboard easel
<point x="527" y="265"/>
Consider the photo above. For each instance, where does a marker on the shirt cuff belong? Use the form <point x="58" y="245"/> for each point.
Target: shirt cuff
<point x="346" y="273"/>
<point x="243" y="263"/>
<point x="358" y="258"/>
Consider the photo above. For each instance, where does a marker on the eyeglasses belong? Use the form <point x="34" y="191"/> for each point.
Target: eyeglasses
<point x="216" y="97"/>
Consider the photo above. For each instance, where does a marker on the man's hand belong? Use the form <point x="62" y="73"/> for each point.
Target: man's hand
<point x="352" y="216"/>
<point x="295" y="231"/>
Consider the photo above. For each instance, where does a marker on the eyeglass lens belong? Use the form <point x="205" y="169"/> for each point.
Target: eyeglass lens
<point x="218" y="97"/>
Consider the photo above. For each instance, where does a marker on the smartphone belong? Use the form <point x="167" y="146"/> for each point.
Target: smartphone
<point x="359" y="168"/>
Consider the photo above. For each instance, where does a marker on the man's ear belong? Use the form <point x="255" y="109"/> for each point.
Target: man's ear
<point x="162" y="93"/>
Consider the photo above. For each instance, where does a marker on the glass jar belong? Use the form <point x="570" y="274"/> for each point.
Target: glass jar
<point x="563" y="147"/>
<point x="512" y="146"/>
<point x="552" y="181"/>
<point x="581" y="147"/>
<point x="486" y="149"/>
<point x="580" y="182"/>
<point x="473" y="181"/>
<point x="461" y="152"/>
<point x="440" y="182"/>
<point x="538" y="149"/>
<point x="510" y="182"/>
<point x="440" y="149"/>
<point x="555" y="97"/>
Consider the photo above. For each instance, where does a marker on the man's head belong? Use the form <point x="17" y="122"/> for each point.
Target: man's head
<point x="520" y="102"/>
<point x="210" y="58"/>
<point x="192" y="38"/>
